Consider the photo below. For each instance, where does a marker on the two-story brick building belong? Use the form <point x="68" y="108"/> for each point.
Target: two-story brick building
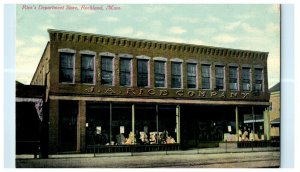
<point x="112" y="90"/>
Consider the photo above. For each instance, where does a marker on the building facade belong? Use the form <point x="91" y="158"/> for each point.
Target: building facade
<point x="275" y="111"/>
<point x="110" y="90"/>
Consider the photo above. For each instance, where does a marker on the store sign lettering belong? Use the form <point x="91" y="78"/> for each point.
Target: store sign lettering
<point x="166" y="93"/>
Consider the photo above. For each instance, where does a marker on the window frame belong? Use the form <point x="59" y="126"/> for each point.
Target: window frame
<point x="262" y="79"/>
<point x="181" y="74"/>
<point x="130" y="71"/>
<point x="196" y="75"/>
<point x="138" y="73"/>
<point x="165" y="73"/>
<point x="237" y="77"/>
<point x="203" y="77"/>
<point x="94" y="67"/>
<point x="112" y="67"/>
<point x="72" y="53"/>
<point x="218" y="77"/>
<point x="250" y="80"/>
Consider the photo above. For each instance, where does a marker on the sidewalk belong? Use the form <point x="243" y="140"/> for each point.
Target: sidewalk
<point x="177" y="152"/>
<point x="209" y="158"/>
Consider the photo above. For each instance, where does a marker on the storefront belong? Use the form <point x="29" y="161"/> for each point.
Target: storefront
<point x="110" y="91"/>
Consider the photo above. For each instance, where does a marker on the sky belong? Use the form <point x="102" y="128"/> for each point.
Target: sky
<point x="250" y="27"/>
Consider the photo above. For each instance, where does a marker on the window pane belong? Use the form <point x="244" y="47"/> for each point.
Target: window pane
<point x="258" y="79"/>
<point x="87" y="69"/>
<point x="66" y="72"/>
<point x="220" y="77"/>
<point x="206" y="83"/>
<point x="233" y="78"/>
<point x="159" y="68"/>
<point x="246" y="79"/>
<point x="176" y="75"/>
<point x="246" y="86"/>
<point x="106" y="70"/>
<point x="125" y="72"/>
<point x="142" y="73"/>
<point x="191" y="82"/>
<point x="191" y="75"/>
<point x="246" y="73"/>
<point x="205" y="69"/>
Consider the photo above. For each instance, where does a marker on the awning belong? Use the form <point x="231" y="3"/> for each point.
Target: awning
<point x="251" y="121"/>
<point x="276" y="121"/>
<point x="38" y="105"/>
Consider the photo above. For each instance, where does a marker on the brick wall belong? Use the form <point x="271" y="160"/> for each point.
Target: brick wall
<point x="201" y="54"/>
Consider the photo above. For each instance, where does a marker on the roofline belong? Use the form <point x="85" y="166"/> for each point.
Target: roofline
<point x="48" y="43"/>
<point x="146" y="40"/>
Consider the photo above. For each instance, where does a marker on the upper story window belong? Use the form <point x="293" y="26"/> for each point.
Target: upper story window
<point x="205" y="69"/>
<point x="107" y="70"/>
<point x="258" y="79"/>
<point x="191" y="75"/>
<point x="220" y="77"/>
<point x="233" y="78"/>
<point x="142" y="75"/>
<point x="160" y="74"/>
<point x="87" y="68"/>
<point x="66" y="68"/>
<point x="246" y="78"/>
<point x="176" y="75"/>
<point x="125" y="71"/>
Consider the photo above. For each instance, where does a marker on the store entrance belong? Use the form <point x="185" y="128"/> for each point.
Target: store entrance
<point x="205" y="124"/>
<point x="68" y="113"/>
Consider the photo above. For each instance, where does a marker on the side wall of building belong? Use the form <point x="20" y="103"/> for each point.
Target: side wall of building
<point x="275" y="111"/>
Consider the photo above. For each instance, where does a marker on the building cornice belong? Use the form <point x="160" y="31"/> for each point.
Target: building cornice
<point x="70" y="36"/>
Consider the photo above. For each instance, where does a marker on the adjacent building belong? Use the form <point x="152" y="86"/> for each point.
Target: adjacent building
<point x="109" y="90"/>
<point x="30" y="122"/>
<point x="275" y="111"/>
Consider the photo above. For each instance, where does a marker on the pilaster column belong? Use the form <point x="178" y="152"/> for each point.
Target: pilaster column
<point x="132" y="122"/>
<point x="53" y="126"/>
<point x="267" y="124"/>
<point x="81" y="120"/>
<point x="237" y="123"/>
<point x="178" y="123"/>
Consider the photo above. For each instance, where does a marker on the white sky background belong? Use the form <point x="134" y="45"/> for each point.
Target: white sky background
<point x="250" y="27"/>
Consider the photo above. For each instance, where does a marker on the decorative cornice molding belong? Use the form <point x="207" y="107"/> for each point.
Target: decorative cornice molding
<point x="125" y="56"/>
<point x="143" y="57"/>
<point x="66" y="50"/>
<point x="191" y="61"/>
<point x="59" y="35"/>
<point x="107" y="54"/>
<point x="160" y="58"/>
<point x="176" y="60"/>
<point x="87" y="52"/>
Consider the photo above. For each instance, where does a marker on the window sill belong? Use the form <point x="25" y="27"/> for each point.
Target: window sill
<point x="67" y="83"/>
<point x="93" y="84"/>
